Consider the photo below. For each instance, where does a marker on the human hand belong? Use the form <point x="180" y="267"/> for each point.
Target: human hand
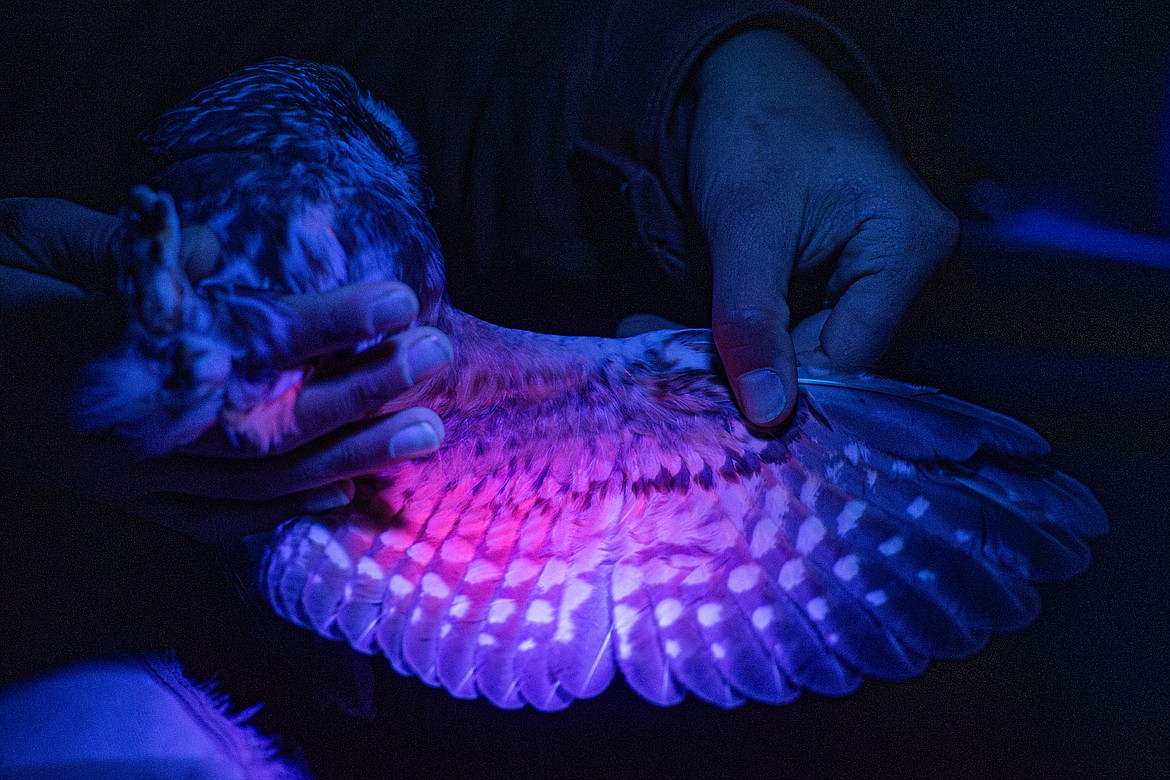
<point x="787" y="171"/>
<point x="212" y="489"/>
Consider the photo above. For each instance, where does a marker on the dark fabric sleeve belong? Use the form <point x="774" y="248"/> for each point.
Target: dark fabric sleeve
<point x="636" y="117"/>
<point x="549" y="132"/>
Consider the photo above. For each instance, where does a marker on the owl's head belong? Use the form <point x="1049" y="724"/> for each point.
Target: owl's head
<point x="307" y="184"/>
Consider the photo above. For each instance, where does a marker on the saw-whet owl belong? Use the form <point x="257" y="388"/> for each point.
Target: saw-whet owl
<point x="597" y="504"/>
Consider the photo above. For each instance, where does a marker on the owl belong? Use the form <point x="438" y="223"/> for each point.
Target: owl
<point x="598" y="505"/>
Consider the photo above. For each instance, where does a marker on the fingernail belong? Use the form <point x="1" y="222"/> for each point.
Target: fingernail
<point x="762" y="394"/>
<point x="426" y="355"/>
<point x="332" y="498"/>
<point x="417" y="439"/>
<point x="393" y="310"/>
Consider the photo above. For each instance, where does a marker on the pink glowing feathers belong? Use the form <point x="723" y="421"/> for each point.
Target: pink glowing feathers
<point x="600" y="504"/>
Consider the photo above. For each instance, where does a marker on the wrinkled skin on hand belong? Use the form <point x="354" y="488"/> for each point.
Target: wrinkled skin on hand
<point x="787" y="172"/>
<point x="214" y="489"/>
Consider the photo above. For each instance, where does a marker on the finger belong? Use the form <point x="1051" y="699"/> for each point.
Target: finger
<point x="752" y="261"/>
<point x="328" y="322"/>
<point x="881" y="270"/>
<point x="217" y="521"/>
<point x="350" y="453"/>
<point x="328" y="404"/>
<point x="408" y="434"/>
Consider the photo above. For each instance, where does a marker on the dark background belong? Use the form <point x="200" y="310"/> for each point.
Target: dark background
<point x="1052" y="104"/>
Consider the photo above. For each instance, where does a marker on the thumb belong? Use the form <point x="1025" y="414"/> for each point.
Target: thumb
<point x="749" y="320"/>
<point x="751" y="263"/>
<point x="757" y="353"/>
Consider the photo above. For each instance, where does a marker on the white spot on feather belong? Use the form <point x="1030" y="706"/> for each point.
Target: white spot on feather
<point x="927" y="575"/>
<point x="486" y="640"/>
<point x="876" y="597"/>
<point x="337" y="555"/>
<point x="673" y="648"/>
<point x="368" y="567"/>
<point x="481" y="571"/>
<point x="700" y="575"/>
<point x="400" y="586"/>
<point x="500" y="610"/>
<point x="850" y="514"/>
<point x="658" y="571"/>
<point x="624" y="618"/>
<point x="667" y="612"/>
<point x="763" y="616"/>
<point x="457" y="550"/>
<point x="539" y="611"/>
<point x="962" y="537"/>
<point x="810" y="534"/>
<point x="903" y="468"/>
<point x="433" y="585"/>
<point x="710" y="614"/>
<point x="763" y="537"/>
<point x="846" y="568"/>
<point x="791" y="573"/>
<point x="626" y="580"/>
<point x="554" y="574"/>
<point x="855" y="452"/>
<point x="718" y="651"/>
<point x="526" y="645"/>
<point x="918" y="507"/>
<point x="775" y="503"/>
<point x="817" y="608"/>
<point x="891" y="546"/>
<point x="743" y="578"/>
<point x="565" y="630"/>
<point x="318" y="534"/>
<point x="460" y="606"/>
<point x="576" y="592"/>
<point x="421" y="552"/>
<point x="520" y="571"/>
<point x="809" y="490"/>
<point x="446" y="629"/>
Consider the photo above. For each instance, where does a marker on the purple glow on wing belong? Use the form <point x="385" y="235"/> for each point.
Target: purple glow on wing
<point x="600" y="505"/>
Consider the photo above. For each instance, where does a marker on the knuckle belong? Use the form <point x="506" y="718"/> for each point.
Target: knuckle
<point x="936" y="224"/>
<point x="363" y="395"/>
<point x="348" y="458"/>
<point x="369" y="392"/>
<point x="914" y="227"/>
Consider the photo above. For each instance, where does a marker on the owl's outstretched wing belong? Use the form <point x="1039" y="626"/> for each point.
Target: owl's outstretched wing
<point x="538" y="552"/>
